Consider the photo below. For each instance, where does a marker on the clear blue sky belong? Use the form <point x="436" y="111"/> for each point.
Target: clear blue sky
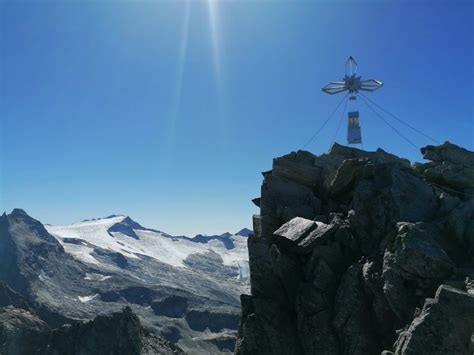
<point x="168" y="112"/>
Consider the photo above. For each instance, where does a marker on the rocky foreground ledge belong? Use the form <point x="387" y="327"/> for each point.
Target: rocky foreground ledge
<point x="23" y="332"/>
<point x="361" y="252"/>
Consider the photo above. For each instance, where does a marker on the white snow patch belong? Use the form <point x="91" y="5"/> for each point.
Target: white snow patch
<point x="96" y="277"/>
<point x="85" y="299"/>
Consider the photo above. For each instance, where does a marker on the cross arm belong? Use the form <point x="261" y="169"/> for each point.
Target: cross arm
<point x="371" y="83"/>
<point x="334" y="87"/>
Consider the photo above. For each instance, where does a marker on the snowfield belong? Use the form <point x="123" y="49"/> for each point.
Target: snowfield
<point x="80" y="239"/>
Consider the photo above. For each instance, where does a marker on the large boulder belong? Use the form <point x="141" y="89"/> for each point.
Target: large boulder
<point x="299" y="167"/>
<point x="449" y="153"/>
<point x="452" y="167"/>
<point x="413" y="266"/>
<point x="450" y="175"/>
<point x="295" y="230"/>
<point x="445" y="325"/>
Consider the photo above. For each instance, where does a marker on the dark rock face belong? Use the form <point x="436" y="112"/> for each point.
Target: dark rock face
<point x="23" y="333"/>
<point x="36" y="244"/>
<point x="118" y="258"/>
<point x="244" y="232"/>
<point x="119" y="333"/>
<point x="127" y="227"/>
<point x="172" y="334"/>
<point x="172" y="306"/>
<point x="224" y="238"/>
<point x="214" y="321"/>
<point x="135" y="295"/>
<point x="8" y="297"/>
<point x="451" y="167"/>
<point x="360" y="252"/>
<point x="444" y="325"/>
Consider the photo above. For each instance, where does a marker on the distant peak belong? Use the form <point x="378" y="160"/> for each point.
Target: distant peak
<point x="19" y="212"/>
<point x="244" y="232"/>
<point x="224" y="238"/>
<point x="127" y="226"/>
<point x="212" y="236"/>
<point x="116" y="215"/>
<point x="130" y="222"/>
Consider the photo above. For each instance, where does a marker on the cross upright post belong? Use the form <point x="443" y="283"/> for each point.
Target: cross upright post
<point x="352" y="84"/>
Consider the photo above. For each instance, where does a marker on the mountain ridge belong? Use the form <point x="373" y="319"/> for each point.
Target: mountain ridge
<point x="244" y="232"/>
<point x="70" y="274"/>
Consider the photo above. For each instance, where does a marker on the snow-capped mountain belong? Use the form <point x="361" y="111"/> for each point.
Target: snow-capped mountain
<point x="120" y="234"/>
<point x="185" y="290"/>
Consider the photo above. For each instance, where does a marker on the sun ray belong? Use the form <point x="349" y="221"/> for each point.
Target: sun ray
<point x="183" y="49"/>
<point x="182" y="55"/>
<point x="216" y="43"/>
<point x="212" y="6"/>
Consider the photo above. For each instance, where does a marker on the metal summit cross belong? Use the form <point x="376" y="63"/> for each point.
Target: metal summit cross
<point x="352" y="84"/>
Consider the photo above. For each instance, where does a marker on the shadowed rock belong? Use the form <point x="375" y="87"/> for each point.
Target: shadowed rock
<point x="444" y="326"/>
<point x="22" y="333"/>
<point x="350" y="245"/>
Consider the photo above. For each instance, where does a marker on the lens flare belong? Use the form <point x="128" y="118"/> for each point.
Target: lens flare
<point x="181" y="62"/>
<point x="215" y="42"/>
<point x="214" y="25"/>
<point x="215" y="37"/>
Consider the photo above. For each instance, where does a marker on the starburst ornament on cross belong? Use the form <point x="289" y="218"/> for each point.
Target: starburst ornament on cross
<point x="352" y="84"/>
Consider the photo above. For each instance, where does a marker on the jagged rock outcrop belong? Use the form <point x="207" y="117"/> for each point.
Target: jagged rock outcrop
<point x="360" y="252"/>
<point x="23" y="333"/>
<point x="450" y="167"/>
<point x="444" y="325"/>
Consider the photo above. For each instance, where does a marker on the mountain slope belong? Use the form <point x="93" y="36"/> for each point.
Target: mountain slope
<point x="183" y="290"/>
<point x="121" y="234"/>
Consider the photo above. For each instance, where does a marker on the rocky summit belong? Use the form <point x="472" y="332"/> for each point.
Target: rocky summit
<point x="359" y="252"/>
